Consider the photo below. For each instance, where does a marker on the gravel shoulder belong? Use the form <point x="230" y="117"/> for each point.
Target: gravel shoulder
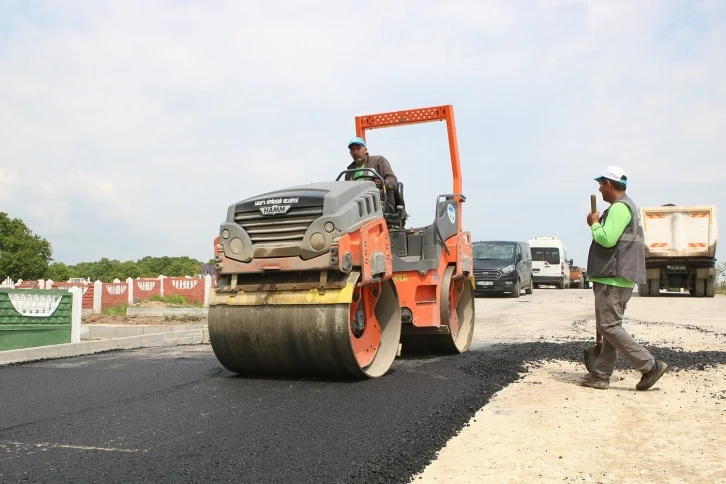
<point x="545" y="427"/>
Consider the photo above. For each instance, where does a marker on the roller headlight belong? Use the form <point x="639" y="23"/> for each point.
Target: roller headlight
<point x="235" y="246"/>
<point x="317" y="241"/>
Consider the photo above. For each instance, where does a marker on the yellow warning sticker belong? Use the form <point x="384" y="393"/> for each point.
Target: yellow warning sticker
<point x="400" y="277"/>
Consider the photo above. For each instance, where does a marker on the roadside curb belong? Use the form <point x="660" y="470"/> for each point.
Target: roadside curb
<point x="170" y="338"/>
<point x="115" y="331"/>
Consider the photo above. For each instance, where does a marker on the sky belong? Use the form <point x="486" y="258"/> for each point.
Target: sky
<point x="128" y="127"/>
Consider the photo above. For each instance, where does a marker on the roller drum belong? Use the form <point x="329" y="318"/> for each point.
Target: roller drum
<point x="309" y="338"/>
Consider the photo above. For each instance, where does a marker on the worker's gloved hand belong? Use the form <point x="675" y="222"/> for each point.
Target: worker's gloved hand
<point x="379" y="184"/>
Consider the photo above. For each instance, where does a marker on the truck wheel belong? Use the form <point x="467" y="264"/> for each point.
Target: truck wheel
<point x="643" y="289"/>
<point x="700" y="290"/>
<point x="561" y="285"/>
<point x="528" y="290"/>
<point x="654" y="287"/>
<point x="710" y="287"/>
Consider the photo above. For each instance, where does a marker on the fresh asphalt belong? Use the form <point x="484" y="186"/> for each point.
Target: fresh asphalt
<point x="175" y="415"/>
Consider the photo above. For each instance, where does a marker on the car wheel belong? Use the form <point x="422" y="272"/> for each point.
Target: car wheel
<point x="516" y="289"/>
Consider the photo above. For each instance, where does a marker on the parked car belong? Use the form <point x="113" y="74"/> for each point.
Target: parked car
<point x="502" y="267"/>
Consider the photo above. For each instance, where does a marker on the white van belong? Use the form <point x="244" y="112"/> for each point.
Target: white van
<point x="549" y="262"/>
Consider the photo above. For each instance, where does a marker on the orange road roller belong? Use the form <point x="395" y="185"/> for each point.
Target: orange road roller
<point x="318" y="280"/>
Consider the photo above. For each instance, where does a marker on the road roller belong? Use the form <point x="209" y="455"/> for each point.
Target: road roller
<point x="319" y="280"/>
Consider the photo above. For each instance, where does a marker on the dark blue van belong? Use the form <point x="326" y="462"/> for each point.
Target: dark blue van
<point x="502" y="267"/>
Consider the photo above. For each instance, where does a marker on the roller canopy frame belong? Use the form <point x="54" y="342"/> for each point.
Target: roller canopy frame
<point x="418" y="116"/>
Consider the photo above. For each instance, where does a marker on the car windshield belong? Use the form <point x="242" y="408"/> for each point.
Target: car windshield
<point x="493" y="250"/>
<point x="550" y="255"/>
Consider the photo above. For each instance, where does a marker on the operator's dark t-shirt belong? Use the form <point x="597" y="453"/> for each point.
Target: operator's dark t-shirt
<point x="383" y="168"/>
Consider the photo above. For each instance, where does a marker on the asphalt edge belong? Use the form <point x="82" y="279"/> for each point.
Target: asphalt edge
<point x="169" y="338"/>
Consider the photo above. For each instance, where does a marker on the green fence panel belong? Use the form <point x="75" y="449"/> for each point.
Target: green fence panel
<point x="34" y="317"/>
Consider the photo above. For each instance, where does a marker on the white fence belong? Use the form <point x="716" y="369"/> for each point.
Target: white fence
<point x="97" y="296"/>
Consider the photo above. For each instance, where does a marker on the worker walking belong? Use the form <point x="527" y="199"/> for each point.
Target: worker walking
<point x="616" y="262"/>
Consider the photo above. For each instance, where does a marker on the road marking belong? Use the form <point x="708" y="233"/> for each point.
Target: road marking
<point x="48" y="445"/>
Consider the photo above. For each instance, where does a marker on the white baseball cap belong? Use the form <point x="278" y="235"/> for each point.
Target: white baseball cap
<point x="614" y="173"/>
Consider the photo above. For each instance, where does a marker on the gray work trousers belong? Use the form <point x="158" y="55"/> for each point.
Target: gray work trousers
<point x="610" y="304"/>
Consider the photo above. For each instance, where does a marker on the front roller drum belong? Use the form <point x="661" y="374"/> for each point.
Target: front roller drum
<point x="358" y="339"/>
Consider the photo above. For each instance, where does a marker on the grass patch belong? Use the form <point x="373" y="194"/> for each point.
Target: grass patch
<point x="115" y="310"/>
<point x="175" y="301"/>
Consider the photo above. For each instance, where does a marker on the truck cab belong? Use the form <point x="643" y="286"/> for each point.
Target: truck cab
<point x="577" y="276"/>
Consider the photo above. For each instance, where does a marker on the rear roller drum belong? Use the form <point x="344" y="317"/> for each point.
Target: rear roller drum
<point x="358" y="340"/>
<point x="457" y="321"/>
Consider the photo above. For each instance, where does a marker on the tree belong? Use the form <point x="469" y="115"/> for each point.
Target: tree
<point x="129" y="269"/>
<point x="58" y="271"/>
<point x="107" y="270"/>
<point x="182" y="266"/>
<point x="23" y="255"/>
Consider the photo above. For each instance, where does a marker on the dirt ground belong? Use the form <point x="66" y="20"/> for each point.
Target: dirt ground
<point x="141" y="320"/>
<point x="547" y="428"/>
<point x="108" y="319"/>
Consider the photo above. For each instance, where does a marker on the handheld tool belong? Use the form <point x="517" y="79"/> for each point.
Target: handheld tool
<point x="592" y="352"/>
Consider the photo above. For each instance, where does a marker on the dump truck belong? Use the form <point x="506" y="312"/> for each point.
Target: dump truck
<point x="317" y="279"/>
<point x="680" y="249"/>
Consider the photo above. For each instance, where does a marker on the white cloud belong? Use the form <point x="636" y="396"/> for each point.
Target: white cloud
<point x="614" y="17"/>
<point x="143" y="121"/>
<point x="8" y="180"/>
<point x="49" y="197"/>
<point x="93" y="189"/>
<point x="704" y="122"/>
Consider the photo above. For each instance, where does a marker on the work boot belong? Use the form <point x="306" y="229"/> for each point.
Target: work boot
<point x="649" y="379"/>
<point x="593" y="381"/>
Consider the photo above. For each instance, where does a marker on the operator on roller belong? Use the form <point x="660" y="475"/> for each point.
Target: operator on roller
<point x="361" y="159"/>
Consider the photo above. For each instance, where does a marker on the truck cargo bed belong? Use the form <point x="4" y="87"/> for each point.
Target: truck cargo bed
<point x="679" y="231"/>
